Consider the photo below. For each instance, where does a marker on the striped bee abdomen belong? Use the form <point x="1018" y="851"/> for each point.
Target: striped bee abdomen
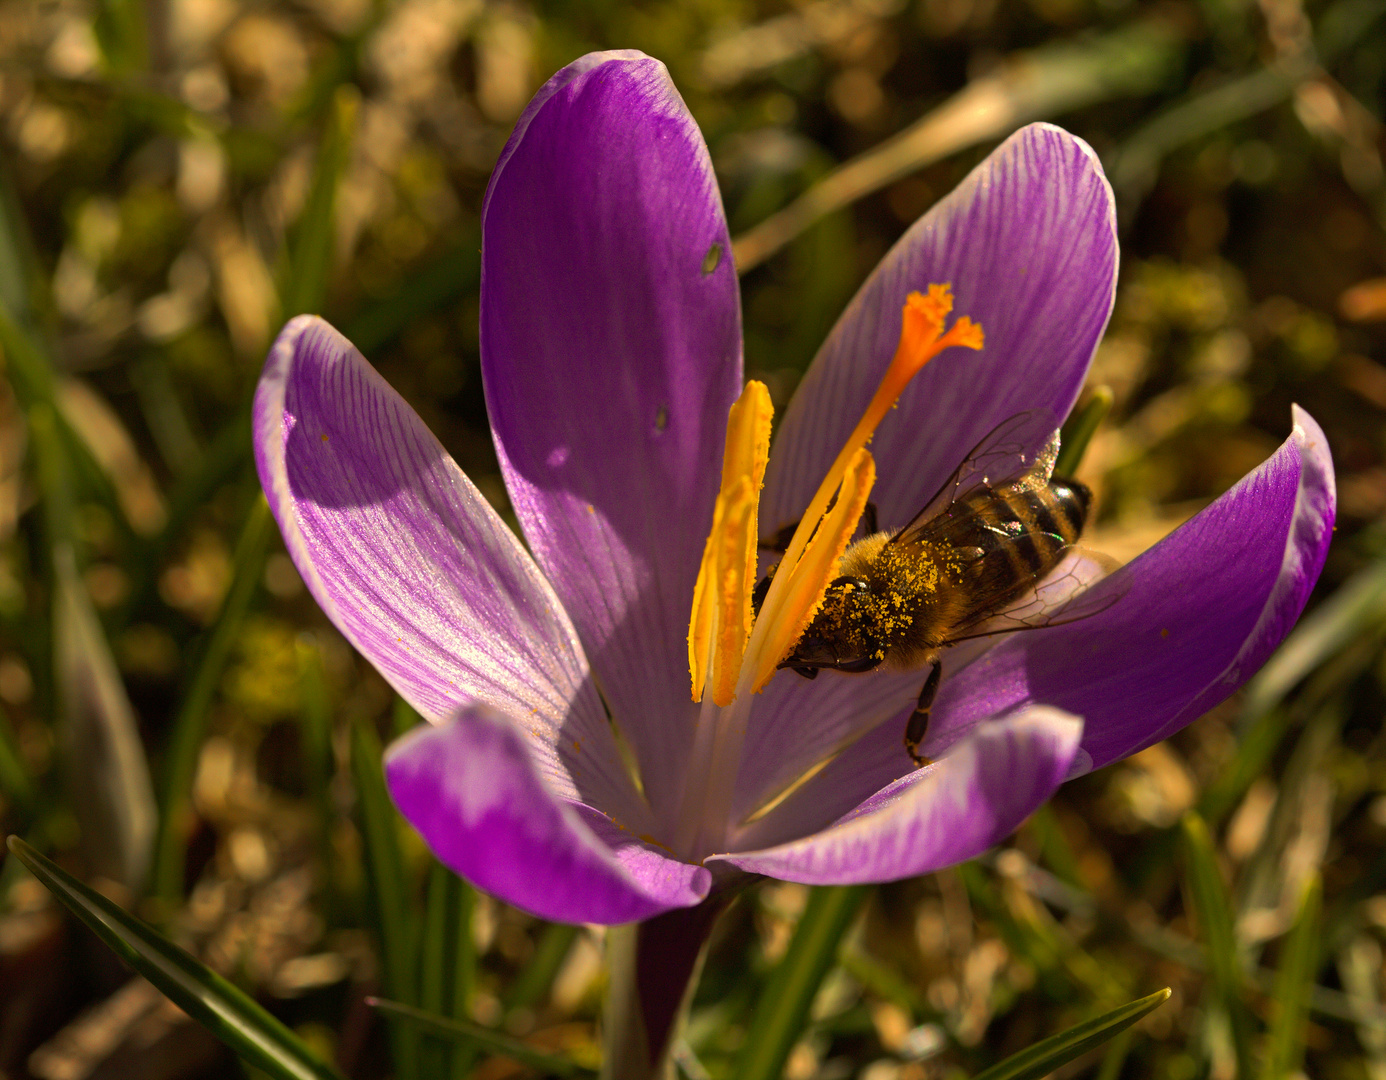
<point x="1007" y="539"/>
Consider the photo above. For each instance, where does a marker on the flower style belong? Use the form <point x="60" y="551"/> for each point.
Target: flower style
<point x="565" y="759"/>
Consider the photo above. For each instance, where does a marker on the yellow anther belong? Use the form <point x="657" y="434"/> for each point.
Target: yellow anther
<point x="702" y="623"/>
<point x="748" y="436"/>
<point x="721" y="617"/>
<point x="807" y="583"/>
<point x="736" y="579"/>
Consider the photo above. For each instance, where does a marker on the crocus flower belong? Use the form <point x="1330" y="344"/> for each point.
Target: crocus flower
<point x="566" y="769"/>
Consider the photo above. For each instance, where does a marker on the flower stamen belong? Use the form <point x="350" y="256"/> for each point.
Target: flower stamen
<point x="730" y="655"/>
<point x="807" y="582"/>
<point x="721" y="620"/>
<point x="922" y="337"/>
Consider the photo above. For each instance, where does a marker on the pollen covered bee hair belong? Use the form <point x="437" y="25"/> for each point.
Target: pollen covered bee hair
<point x="974" y="551"/>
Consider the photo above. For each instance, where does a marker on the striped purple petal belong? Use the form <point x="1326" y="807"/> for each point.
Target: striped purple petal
<point x="611" y="349"/>
<point x="943" y="814"/>
<point x="414" y="567"/>
<point x="471" y="789"/>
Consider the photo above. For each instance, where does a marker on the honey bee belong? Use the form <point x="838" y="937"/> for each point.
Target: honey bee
<point x="966" y="560"/>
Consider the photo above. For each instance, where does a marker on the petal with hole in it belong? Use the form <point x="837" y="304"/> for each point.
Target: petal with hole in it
<point x="611" y="351"/>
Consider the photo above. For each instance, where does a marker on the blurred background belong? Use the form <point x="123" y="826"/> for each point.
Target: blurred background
<point x="181" y="728"/>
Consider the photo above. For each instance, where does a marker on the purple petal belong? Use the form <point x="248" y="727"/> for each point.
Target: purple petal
<point x="1202" y="610"/>
<point x="940" y="815"/>
<point x="1228" y="585"/>
<point x="611" y="354"/>
<point x="1028" y="242"/>
<point x="413" y="565"/>
<point x="471" y="789"/>
<point x="1197" y="615"/>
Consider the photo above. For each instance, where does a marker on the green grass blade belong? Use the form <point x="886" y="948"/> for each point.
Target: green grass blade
<point x="112" y="794"/>
<point x="453" y="273"/>
<point x="19" y="273"/>
<point x="435" y="958"/>
<point x="885" y="982"/>
<point x="447" y="966"/>
<point x="1254" y="752"/>
<point x="188" y="726"/>
<point x="463" y="968"/>
<point x="783" y="1007"/>
<point x="224" y="1010"/>
<point x="533" y="982"/>
<point x="1048" y="1054"/>
<point x="54" y="480"/>
<point x="404" y="717"/>
<point x="494" y="1041"/>
<point x="1079" y="429"/>
<point x="311" y="248"/>
<point x="318" y="766"/>
<point x="389" y="882"/>
<point x="1294" y="986"/>
<point x="1213" y="907"/>
<point x="1356" y="606"/>
<point x="15" y="783"/>
<point x="121" y="32"/>
<point x="25" y="365"/>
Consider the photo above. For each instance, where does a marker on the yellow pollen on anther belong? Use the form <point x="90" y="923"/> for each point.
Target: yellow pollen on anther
<point x="726" y="652"/>
<point x="721" y="619"/>
<point x="808" y="582"/>
<point x="922" y="337"/>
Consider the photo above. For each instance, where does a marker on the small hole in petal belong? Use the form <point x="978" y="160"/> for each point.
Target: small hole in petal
<point x="712" y="259"/>
<point x="662" y="418"/>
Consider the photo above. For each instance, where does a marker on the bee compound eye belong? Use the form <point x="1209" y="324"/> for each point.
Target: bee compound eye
<point x="846" y="582"/>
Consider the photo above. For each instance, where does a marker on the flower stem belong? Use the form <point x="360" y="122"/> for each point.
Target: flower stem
<point x="654" y="968"/>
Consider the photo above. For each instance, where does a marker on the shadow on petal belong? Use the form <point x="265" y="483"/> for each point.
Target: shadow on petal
<point x="471" y="789"/>
<point x="940" y="815"/>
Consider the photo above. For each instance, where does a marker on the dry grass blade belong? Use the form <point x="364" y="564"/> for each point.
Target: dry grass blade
<point x="1031" y="86"/>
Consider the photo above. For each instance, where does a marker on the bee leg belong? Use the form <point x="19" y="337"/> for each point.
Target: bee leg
<point x="918" y="724"/>
<point x="868" y="519"/>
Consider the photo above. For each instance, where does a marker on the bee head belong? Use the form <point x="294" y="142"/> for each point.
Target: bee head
<point x="838" y="637"/>
<point x="1081" y="493"/>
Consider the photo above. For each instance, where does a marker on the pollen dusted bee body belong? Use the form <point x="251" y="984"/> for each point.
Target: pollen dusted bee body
<point x="902" y="597"/>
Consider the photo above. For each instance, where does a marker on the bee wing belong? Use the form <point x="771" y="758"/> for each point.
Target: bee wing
<point x="998" y="460"/>
<point x="1065" y="596"/>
